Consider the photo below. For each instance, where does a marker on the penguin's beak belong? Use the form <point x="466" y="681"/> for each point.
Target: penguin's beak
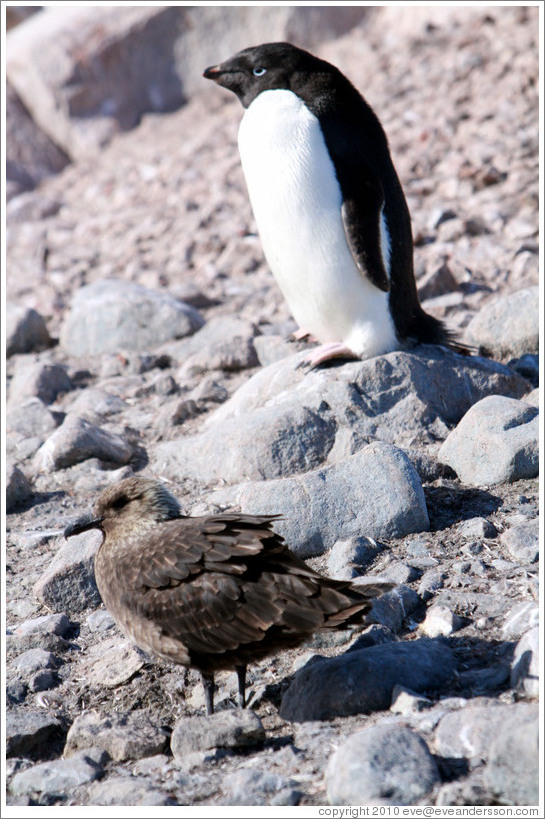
<point x="83" y="524"/>
<point x="228" y="75"/>
<point x="214" y="72"/>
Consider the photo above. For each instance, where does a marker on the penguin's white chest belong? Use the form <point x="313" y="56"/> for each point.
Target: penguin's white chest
<point x="297" y="201"/>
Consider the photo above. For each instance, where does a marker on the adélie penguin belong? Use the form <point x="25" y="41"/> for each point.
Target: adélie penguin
<point x="330" y="210"/>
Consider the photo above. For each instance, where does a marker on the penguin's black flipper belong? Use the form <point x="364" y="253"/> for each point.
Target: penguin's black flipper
<point x="363" y="199"/>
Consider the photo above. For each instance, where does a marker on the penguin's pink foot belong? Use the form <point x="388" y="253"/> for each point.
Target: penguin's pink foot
<point x="302" y="334"/>
<point x="326" y="352"/>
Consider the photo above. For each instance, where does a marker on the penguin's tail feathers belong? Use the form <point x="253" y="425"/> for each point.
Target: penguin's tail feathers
<point x="430" y="330"/>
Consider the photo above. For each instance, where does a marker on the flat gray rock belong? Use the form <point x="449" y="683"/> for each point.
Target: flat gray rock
<point x="381" y="765"/>
<point x="77" y="440"/>
<point x="223" y="729"/>
<point x="522" y="541"/>
<point x="375" y="493"/>
<point x="112" y="315"/>
<point x="208" y="340"/>
<point x="68" y="584"/>
<point x="223" y="343"/>
<point x="360" y="682"/>
<point x="477" y="529"/>
<point x="512" y="772"/>
<point x="231" y="356"/>
<point x="113" y="662"/>
<point x="469" y="732"/>
<point x="58" y="624"/>
<point x="128" y="790"/>
<point x="257" y="787"/>
<point x="30" y="732"/>
<point x="508" y="326"/>
<point x="56" y="778"/>
<point x="132" y="736"/>
<point x="497" y="441"/>
<point x="399" y="572"/>
<point x="265" y="445"/>
<point x="520" y="619"/>
<point x="30" y="418"/>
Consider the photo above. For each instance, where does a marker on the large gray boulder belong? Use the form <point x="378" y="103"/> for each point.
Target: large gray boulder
<point x="507" y="327"/>
<point x="362" y="681"/>
<point x="112" y="315"/>
<point x="375" y="493"/>
<point x="497" y="441"/>
<point x="391" y="396"/>
<point x="267" y="444"/>
<point x="512" y="772"/>
<point x="285" y="420"/>
<point x="381" y="765"/>
<point x="85" y="72"/>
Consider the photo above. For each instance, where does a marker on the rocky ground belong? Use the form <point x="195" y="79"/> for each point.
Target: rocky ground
<point x="419" y="466"/>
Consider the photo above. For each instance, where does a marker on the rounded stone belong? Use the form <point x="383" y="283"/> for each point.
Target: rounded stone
<point x="388" y="764"/>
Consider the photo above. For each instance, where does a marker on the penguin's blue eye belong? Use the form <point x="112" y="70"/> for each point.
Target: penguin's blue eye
<point x="258" y="72"/>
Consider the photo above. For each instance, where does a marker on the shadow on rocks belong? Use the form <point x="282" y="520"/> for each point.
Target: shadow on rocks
<point x="450" y="503"/>
<point x="38" y="499"/>
<point x="484" y="666"/>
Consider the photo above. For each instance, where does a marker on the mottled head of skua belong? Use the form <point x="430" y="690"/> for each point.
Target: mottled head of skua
<point x="131" y="503"/>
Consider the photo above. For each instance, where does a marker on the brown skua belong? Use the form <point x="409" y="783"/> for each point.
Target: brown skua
<point x="214" y="592"/>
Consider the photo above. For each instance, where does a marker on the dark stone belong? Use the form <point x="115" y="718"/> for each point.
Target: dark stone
<point x="30" y="733"/>
<point x="361" y="682"/>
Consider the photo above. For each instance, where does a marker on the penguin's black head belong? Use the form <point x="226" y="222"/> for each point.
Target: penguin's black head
<point x="265" y="67"/>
